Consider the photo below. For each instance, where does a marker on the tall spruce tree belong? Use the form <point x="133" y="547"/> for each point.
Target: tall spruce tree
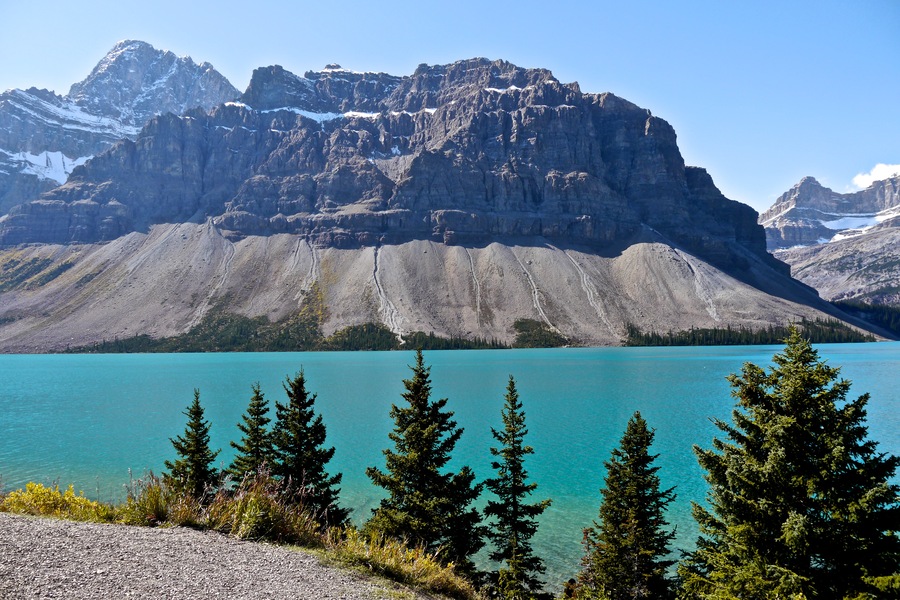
<point x="624" y="552"/>
<point x="255" y="448"/>
<point x="514" y="519"/>
<point x="425" y="506"/>
<point x="193" y="470"/>
<point x="299" y="456"/>
<point x="800" y="501"/>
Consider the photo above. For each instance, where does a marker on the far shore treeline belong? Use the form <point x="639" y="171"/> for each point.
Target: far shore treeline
<point x="800" y="503"/>
<point x="220" y="331"/>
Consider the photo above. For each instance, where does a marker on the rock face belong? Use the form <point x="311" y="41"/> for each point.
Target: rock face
<point x="44" y="136"/>
<point x="844" y="245"/>
<point x="462" y="153"/>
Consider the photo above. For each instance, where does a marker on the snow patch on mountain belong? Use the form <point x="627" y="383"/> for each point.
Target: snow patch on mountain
<point x="55" y="166"/>
<point x="856" y="225"/>
<point x="315" y="116"/>
<point x="68" y="115"/>
<point x="852" y="222"/>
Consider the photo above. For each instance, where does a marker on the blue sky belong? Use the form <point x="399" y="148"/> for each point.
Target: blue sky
<point x="760" y="93"/>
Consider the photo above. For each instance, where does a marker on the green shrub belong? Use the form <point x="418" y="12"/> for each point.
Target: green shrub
<point x="261" y="509"/>
<point x="536" y="334"/>
<point x="150" y="502"/>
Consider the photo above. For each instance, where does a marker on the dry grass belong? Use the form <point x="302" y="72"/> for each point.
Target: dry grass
<point x="397" y="561"/>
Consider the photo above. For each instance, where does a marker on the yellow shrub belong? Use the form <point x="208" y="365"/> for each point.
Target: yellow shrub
<point x="37" y="499"/>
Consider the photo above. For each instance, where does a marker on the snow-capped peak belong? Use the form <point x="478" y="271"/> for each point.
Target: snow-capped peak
<point x="131" y="84"/>
<point x="135" y="81"/>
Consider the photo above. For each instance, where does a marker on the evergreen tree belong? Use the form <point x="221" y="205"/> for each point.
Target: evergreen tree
<point x="515" y="520"/>
<point x="800" y="501"/>
<point x="192" y="471"/>
<point x="299" y="456"/>
<point x="425" y="506"/>
<point x="624" y="551"/>
<point x="255" y="449"/>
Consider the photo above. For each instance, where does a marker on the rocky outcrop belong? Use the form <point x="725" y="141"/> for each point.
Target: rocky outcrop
<point x="44" y="136"/>
<point x="467" y="153"/>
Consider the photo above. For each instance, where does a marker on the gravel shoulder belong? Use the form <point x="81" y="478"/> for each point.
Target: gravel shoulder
<point x="50" y="558"/>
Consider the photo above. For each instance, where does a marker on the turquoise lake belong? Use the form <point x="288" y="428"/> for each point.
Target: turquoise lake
<point x="88" y="419"/>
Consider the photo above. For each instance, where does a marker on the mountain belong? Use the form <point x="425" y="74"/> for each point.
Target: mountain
<point x="465" y="152"/>
<point x="457" y="200"/>
<point x="810" y="213"/>
<point x="843" y="245"/>
<point x="44" y="136"/>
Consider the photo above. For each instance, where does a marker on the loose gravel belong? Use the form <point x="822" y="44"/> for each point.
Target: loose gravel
<point x="50" y="558"/>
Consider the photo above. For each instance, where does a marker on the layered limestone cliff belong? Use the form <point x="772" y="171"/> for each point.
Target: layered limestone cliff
<point x="462" y="153"/>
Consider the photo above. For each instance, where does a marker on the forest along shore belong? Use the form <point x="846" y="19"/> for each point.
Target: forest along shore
<point x="51" y="558"/>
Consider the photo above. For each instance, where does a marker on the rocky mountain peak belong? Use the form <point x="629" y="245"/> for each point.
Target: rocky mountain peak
<point x="135" y="81"/>
<point x="44" y="136"/>
<point x="483" y="72"/>
<point x="807" y="185"/>
<point x="810" y="213"/>
<point x="335" y="90"/>
<point x="273" y="87"/>
<point x="807" y="193"/>
<point x="438" y="85"/>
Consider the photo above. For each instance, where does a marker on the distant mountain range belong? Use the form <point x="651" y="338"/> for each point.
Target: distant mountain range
<point x="846" y="246"/>
<point x="459" y="200"/>
<point x="44" y="136"/>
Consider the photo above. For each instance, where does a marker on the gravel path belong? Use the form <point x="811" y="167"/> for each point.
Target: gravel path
<point x="49" y="558"/>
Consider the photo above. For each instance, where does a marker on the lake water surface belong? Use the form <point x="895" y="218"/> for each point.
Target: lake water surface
<point x="88" y="419"/>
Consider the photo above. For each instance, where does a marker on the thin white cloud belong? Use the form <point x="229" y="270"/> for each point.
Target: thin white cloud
<point x="878" y="172"/>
